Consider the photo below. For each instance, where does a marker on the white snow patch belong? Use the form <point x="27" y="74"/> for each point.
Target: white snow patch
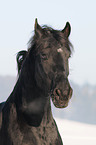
<point x="75" y="133"/>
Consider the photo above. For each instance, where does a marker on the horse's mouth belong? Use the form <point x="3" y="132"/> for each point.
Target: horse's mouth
<point x="61" y="100"/>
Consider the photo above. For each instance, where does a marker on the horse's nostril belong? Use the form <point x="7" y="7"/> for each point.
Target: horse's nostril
<point x="58" y="92"/>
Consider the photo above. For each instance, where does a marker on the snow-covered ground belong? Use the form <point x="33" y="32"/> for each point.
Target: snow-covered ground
<point x="75" y="133"/>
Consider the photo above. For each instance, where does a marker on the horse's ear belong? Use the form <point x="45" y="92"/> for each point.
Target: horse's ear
<point x="38" y="28"/>
<point x="67" y="30"/>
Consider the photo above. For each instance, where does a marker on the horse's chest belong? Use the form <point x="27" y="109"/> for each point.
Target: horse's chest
<point x="35" y="136"/>
<point x="21" y="134"/>
<point x="45" y="135"/>
<point x="39" y="136"/>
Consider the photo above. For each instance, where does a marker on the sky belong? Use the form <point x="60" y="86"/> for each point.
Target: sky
<point x="17" y="19"/>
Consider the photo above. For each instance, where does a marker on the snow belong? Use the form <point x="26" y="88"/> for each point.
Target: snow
<point x="75" y="133"/>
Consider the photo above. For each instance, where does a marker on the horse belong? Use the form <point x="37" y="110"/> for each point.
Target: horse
<point x="26" y="117"/>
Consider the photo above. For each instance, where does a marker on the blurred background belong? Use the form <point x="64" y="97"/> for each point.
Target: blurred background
<point x="17" y="26"/>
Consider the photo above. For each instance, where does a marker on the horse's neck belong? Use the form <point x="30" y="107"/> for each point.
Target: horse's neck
<point x="36" y="111"/>
<point x="26" y="88"/>
<point x="34" y="105"/>
<point x="47" y="114"/>
<point x="31" y="102"/>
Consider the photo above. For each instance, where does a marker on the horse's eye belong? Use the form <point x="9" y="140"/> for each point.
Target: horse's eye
<point x="44" y="56"/>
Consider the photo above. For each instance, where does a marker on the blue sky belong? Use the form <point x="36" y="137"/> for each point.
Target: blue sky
<point x="17" y="24"/>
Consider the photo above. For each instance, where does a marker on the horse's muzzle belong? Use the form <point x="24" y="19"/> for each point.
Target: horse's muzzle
<point x="61" y="98"/>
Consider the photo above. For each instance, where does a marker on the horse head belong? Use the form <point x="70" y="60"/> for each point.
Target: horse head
<point x="51" y="49"/>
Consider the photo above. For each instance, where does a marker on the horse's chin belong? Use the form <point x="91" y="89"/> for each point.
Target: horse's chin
<point x="61" y="101"/>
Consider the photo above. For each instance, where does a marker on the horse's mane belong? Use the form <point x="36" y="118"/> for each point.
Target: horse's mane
<point x="21" y="55"/>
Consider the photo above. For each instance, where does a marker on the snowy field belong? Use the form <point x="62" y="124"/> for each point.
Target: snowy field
<point x="75" y="133"/>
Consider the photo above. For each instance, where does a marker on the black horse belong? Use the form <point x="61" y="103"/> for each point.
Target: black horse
<point x="26" y="118"/>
